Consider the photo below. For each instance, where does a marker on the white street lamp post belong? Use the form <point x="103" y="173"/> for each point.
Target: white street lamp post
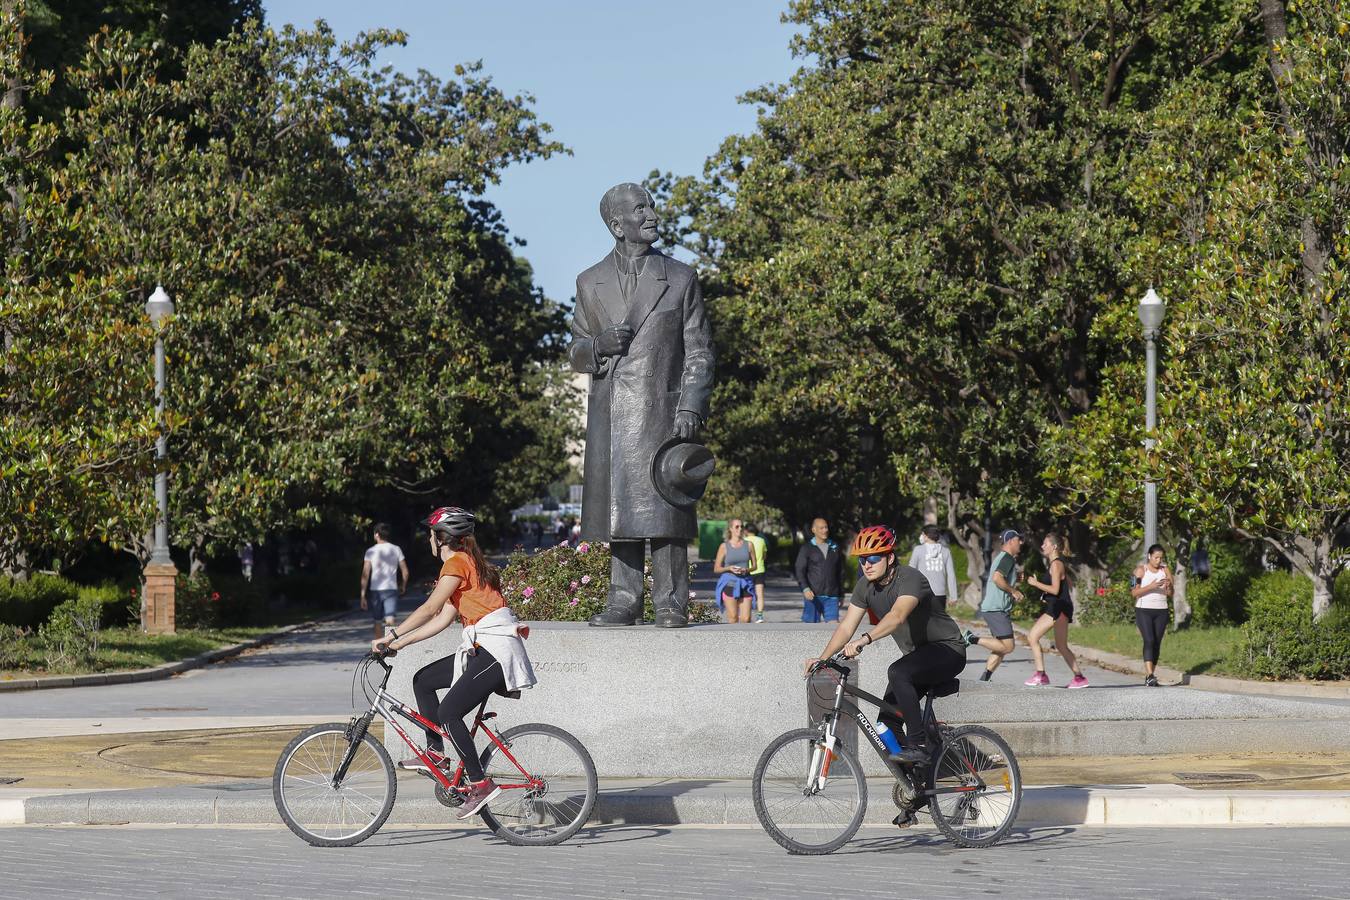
<point x="1151" y="310"/>
<point x="160" y="574"/>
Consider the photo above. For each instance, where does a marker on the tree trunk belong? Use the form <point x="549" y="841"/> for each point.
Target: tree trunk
<point x="1180" y="572"/>
<point x="969" y="535"/>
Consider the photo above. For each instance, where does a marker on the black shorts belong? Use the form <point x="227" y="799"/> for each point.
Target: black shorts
<point x="758" y="579"/>
<point x="1057" y="606"/>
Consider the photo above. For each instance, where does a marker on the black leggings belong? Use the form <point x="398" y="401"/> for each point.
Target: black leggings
<point x="481" y="678"/>
<point x="1152" y="624"/>
<point x="927" y="665"/>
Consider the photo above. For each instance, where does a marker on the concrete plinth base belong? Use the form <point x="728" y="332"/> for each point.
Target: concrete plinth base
<point x="704" y="702"/>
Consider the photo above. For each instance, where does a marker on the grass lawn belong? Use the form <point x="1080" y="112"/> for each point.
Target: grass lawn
<point x="1194" y="650"/>
<point x="131" y="648"/>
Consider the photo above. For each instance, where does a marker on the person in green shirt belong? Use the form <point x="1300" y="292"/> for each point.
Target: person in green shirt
<point x="757" y="571"/>
<point x="996" y="607"/>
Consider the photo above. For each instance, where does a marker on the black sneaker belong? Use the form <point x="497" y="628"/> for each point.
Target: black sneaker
<point x="986" y="675"/>
<point x="1151" y="681"/>
<point x="912" y="755"/>
<point x="969" y="638"/>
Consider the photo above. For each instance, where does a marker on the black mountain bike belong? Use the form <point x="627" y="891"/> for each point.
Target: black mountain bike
<point x="811" y="796"/>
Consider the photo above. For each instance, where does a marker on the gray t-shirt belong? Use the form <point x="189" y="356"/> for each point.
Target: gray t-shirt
<point x="996" y="599"/>
<point x="929" y="623"/>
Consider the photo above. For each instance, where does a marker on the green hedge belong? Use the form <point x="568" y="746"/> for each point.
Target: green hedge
<point x="1280" y="639"/>
<point x="1105" y="605"/>
<point x="1219" y="599"/>
<point x="29" y="603"/>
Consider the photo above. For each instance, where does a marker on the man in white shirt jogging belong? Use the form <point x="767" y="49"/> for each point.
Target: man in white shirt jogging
<point x="384" y="576"/>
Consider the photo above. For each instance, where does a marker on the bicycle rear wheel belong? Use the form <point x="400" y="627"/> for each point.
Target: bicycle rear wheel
<point x="548" y="790"/>
<point x="810" y="801"/>
<point x="328" y="814"/>
<point x="978" y="787"/>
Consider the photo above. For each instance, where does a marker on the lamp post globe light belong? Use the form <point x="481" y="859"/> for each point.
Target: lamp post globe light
<point x="157" y="614"/>
<point x="1151" y="309"/>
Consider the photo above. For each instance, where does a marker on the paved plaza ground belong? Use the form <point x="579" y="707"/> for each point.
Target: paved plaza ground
<point x="205" y="863"/>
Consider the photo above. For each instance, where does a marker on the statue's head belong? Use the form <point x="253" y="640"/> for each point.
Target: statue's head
<point x="628" y="214"/>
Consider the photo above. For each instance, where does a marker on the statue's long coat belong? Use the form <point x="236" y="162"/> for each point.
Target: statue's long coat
<point x="631" y="405"/>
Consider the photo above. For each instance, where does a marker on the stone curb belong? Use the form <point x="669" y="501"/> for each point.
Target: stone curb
<point x="729" y="803"/>
<point x="166" y="670"/>
<point x="1131" y="666"/>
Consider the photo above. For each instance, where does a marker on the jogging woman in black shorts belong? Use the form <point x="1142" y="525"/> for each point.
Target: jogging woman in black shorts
<point x="1058" y="614"/>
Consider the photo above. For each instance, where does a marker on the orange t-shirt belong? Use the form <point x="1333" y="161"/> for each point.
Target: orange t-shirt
<point x="472" y="598"/>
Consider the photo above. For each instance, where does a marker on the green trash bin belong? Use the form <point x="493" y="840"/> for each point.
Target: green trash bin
<point x="710" y="533"/>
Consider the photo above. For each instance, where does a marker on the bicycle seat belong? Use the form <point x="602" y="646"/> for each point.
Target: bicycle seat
<point x="945" y="689"/>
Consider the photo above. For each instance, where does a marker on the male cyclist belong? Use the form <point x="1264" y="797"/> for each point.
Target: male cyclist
<point x="905" y="608"/>
<point x="491" y="656"/>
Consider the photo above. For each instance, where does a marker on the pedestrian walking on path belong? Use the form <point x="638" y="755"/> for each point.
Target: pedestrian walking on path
<point x="759" y="570"/>
<point x="490" y="659"/>
<point x="735" y="559"/>
<point x="384" y="577"/>
<point x="996" y="607"/>
<point x="934" y="559"/>
<point x="820" y="575"/>
<point x="1057" y="615"/>
<point x="1150" y="587"/>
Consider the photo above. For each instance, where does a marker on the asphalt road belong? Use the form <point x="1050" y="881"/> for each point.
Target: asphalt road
<point x="632" y="861"/>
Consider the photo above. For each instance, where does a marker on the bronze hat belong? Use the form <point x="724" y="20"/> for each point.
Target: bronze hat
<point x="680" y="471"/>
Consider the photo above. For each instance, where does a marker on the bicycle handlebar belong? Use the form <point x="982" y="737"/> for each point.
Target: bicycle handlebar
<point x="831" y="663"/>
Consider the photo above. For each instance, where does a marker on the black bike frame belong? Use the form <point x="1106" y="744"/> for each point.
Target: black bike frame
<point x="901" y="773"/>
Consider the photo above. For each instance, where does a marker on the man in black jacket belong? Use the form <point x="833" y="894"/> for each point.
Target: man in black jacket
<point x="820" y="575"/>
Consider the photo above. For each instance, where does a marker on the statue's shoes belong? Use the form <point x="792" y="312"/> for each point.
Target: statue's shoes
<point x="672" y="618"/>
<point x="613" y="618"/>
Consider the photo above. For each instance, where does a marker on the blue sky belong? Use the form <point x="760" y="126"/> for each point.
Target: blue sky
<point x="629" y="87"/>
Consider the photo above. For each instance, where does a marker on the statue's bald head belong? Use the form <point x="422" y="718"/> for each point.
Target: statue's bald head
<point x="617" y="199"/>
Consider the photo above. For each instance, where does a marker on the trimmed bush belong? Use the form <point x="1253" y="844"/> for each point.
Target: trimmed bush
<point x="71" y="634"/>
<point x="1280" y="639"/>
<point x="216" y="601"/>
<point x="29" y="603"/>
<point x="1219" y="599"/>
<point x="1105" y="605"/>
<point x="13" y="646"/>
<point x="563" y="584"/>
<point x="120" y="606"/>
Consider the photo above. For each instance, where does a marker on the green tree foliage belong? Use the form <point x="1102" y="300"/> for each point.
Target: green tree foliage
<point x="918" y="237"/>
<point x="1249" y="242"/>
<point x="351" y="319"/>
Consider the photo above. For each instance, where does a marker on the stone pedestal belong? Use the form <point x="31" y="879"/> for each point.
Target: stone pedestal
<point x="157" y="616"/>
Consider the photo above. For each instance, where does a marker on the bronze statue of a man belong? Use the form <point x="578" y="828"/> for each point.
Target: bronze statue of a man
<point x="640" y="331"/>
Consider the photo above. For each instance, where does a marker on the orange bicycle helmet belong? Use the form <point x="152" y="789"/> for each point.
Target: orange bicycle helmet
<point x="873" y="539"/>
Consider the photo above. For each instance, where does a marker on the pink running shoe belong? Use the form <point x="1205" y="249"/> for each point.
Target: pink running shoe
<point x="1077" y="682"/>
<point x="1037" y="679"/>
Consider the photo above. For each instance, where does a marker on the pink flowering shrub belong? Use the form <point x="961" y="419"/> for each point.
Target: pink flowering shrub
<point x="569" y="584"/>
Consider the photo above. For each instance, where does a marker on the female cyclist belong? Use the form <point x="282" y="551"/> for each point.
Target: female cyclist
<point x="490" y="658"/>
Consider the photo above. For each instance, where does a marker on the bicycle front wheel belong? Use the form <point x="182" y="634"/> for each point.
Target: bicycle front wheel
<point x="810" y="800"/>
<point x="977" y="787"/>
<point x="548" y="785"/>
<point x="319" y="807"/>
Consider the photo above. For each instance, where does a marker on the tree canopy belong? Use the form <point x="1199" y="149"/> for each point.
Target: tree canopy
<point x="351" y="317"/>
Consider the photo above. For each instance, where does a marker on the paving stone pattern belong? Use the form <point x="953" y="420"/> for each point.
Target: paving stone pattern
<point x="655" y="862"/>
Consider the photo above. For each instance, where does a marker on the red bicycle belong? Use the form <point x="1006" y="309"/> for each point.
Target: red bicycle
<point x="335" y="784"/>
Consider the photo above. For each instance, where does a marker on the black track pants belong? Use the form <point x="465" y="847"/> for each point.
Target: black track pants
<point x="482" y="677"/>
<point x="1152" y="625"/>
